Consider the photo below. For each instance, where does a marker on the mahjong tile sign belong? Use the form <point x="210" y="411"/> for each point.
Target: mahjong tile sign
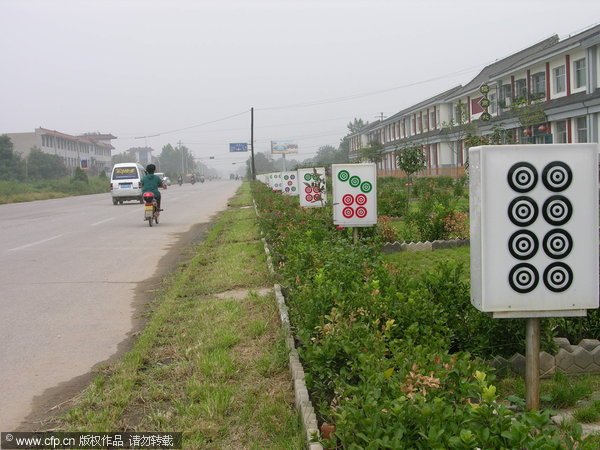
<point x="289" y="182"/>
<point x="311" y="184"/>
<point x="354" y="194"/>
<point x="534" y="229"/>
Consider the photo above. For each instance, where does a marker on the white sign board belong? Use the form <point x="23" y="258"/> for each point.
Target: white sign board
<point x="312" y="187"/>
<point x="534" y="229"/>
<point x="275" y="181"/>
<point x="289" y="182"/>
<point x="354" y="194"/>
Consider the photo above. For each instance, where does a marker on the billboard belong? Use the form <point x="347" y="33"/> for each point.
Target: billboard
<point x="534" y="229"/>
<point x="354" y="194"/>
<point x="283" y="147"/>
<point x="238" y="147"/>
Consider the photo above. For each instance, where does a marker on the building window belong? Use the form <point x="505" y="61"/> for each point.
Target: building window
<point x="521" y="89"/>
<point x="493" y="105"/>
<point x="432" y="123"/>
<point x="582" y="129"/>
<point x="559" y="79"/>
<point x="538" y="85"/>
<point x="580" y="73"/>
<point x="561" y="132"/>
<point x="505" y="95"/>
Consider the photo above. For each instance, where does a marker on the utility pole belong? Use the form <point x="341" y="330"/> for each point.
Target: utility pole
<point x="182" y="163"/>
<point x="253" y="168"/>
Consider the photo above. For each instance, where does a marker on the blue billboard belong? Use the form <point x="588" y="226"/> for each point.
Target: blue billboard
<point x="239" y="147"/>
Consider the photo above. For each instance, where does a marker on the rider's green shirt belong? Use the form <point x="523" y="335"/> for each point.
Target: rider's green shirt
<point x="150" y="183"/>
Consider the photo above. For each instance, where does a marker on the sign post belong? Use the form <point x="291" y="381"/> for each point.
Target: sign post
<point x="534" y="234"/>
<point x="354" y="195"/>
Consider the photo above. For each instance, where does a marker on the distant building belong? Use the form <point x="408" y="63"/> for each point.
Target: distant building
<point x="557" y="78"/>
<point x="89" y="151"/>
<point x="142" y="155"/>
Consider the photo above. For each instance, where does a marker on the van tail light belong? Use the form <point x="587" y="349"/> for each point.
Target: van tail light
<point x="111" y="186"/>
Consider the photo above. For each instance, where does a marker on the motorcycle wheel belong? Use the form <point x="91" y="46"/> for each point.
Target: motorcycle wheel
<point x="150" y="221"/>
<point x="156" y="219"/>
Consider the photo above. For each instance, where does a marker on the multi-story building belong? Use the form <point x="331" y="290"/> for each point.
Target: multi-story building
<point x="88" y="151"/>
<point x="546" y="93"/>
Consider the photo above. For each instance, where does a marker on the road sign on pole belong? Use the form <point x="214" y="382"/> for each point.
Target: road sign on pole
<point x="238" y="147"/>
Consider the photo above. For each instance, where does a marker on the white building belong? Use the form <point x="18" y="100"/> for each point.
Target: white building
<point x="559" y="79"/>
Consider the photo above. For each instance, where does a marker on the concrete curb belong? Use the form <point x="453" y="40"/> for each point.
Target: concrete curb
<point x="302" y="398"/>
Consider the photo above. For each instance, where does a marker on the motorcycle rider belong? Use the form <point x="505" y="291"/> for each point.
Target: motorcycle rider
<point x="193" y="179"/>
<point x="180" y="180"/>
<point x="151" y="183"/>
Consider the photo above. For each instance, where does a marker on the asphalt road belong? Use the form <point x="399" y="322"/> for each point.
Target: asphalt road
<point x="69" y="272"/>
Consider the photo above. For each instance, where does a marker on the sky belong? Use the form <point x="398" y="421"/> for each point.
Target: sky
<point x="154" y="72"/>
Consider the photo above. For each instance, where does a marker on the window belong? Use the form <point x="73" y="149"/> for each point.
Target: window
<point x="425" y="122"/>
<point x="558" y="74"/>
<point x="521" y="89"/>
<point x="561" y="132"/>
<point x="538" y="85"/>
<point x="505" y="92"/>
<point x="493" y="106"/>
<point x="580" y="73"/>
<point x="582" y="129"/>
<point x="432" y="123"/>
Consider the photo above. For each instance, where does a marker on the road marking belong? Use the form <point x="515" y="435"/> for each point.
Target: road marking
<point x="34" y="243"/>
<point x="102" y="221"/>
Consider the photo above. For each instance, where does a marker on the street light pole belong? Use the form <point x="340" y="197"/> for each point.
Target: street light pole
<point x="253" y="168"/>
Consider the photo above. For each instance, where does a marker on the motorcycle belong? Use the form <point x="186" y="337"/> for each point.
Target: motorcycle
<point x="151" y="211"/>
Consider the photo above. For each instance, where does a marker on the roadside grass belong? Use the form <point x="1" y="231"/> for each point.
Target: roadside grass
<point x="18" y="192"/>
<point x="213" y="368"/>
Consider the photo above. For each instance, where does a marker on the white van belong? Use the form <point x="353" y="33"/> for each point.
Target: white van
<point x="125" y="182"/>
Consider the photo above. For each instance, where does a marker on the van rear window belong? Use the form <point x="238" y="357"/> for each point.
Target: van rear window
<point x="124" y="173"/>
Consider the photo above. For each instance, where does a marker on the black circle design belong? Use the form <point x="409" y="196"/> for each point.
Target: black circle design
<point x="558" y="277"/>
<point x="557" y="243"/>
<point x="523" y="278"/>
<point x="522" y="211"/>
<point x="557" y="176"/>
<point x="523" y="244"/>
<point x="522" y="177"/>
<point x="557" y="210"/>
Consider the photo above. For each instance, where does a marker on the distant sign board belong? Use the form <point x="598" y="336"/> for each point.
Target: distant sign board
<point x="289" y="182"/>
<point x="534" y="229"/>
<point x="354" y="194"/>
<point x="283" y="147"/>
<point x="238" y="147"/>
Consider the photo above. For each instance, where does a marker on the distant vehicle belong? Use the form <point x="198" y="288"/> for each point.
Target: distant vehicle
<point x="164" y="178"/>
<point x="125" y="182"/>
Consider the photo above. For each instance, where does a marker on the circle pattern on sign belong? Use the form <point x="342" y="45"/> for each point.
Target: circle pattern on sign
<point x="309" y="198"/>
<point x="354" y="181"/>
<point x="347" y="199"/>
<point x="307" y="176"/>
<point x="557" y="243"/>
<point x="558" y="277"/>
<point x="523" y="244"/>
<point x="366" y="187"/>
<point x="308" y="189"/>
<point x="347" y="212"/>
<point x="522" y="211"/>
<point x="361" y="212"/>
<point x="557" y="176"/>
<point x="523" y="278"/>
<point x="343" y="175"/>
<point x="522" y="177"/>
<point x="557" y="210"/>
<point x="361" y="199"/>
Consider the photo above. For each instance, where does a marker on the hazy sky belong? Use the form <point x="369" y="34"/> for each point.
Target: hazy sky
<point x="167" y="68"/>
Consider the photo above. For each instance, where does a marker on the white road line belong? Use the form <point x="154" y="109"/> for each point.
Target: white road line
<point x="34" y="243"/>
<point x="102" y="221"/>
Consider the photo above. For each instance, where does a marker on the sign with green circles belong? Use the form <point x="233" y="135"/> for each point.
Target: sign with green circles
<point x="289" y="183"/>
<point x="354" y="194"/>
<point x="312" y="187"/>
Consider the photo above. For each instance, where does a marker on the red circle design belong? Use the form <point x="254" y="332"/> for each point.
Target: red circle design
<point x="348" y="212"/>
<point x="347" y="199"/>
<point x="361" y="199"/>
<point x="290" y="183"/>
<point x="361" y="212"/>
<point x="317" y="197"/>
<point x="309" y="198"/>
<point x="307" y="189"/>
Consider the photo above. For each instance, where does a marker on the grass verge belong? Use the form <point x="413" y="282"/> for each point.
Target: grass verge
<point x="212" y="366"/>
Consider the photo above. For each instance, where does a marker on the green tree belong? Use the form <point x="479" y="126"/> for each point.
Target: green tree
<point x="410" y="159"/>
<point x="45" y="166"/>
<point x="11" y="165"/>
<point x="80" y="176"/>
<point x="373" y="152"/>
<point x="176" y="160"/>
<point x="344" y="147"/>
<point x="262" y="164"/>
<point x="124" y="157"/>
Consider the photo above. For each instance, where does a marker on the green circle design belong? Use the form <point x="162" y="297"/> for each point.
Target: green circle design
<point x="307" y="176"/>
<point x="354" y="181"/>
<point x="315" y="176"/>
<point x="293" y="189"/>
<point x="343" y="175"/>
<point x="286" y="177"/>
<point x="366" y="187"/>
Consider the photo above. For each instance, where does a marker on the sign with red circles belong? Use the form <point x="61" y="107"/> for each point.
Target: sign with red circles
<point x="312" y="183"/>
<point x="290" y="181"/>
<point x="354" y="194"/>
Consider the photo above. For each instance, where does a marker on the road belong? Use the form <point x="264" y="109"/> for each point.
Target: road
<point x="70" y="269"/>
